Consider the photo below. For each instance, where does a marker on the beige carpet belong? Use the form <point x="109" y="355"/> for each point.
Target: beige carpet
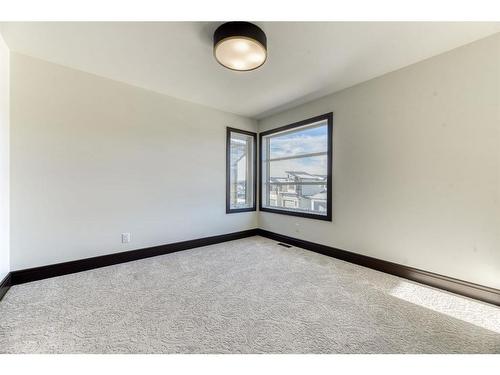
<point x="245" y="296"/>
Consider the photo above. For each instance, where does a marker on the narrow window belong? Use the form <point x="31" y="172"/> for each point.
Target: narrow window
<point x="296" y="169"/>
<point x="241" y="166"/>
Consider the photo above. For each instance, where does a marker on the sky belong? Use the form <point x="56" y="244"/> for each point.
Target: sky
<point x="304" y="142"/>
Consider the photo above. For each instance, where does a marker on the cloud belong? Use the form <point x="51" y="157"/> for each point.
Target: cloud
<point x="302" y="142"/>
<point x="299" y="143"/>
<point x="313" y="165"/>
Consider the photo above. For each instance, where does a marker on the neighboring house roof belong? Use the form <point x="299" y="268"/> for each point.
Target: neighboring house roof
<point x="279" y="179"/>
<point x="306" y="176"/>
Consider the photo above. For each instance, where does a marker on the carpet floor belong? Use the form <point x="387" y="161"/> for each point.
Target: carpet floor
<point x="244" y="296"/>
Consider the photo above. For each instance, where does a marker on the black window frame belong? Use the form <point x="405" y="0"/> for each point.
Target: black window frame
<point x="230" y="210"/>
<point x="328" y="217"/>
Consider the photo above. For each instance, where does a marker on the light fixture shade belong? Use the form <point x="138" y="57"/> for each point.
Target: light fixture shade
<point x="240" y="46"/>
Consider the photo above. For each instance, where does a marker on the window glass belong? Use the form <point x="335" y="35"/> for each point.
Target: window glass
<point x="240" y="170"/>
<point x="295" y="164"/>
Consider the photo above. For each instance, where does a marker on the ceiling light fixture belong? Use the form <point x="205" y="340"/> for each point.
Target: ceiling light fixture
<point x="240" y="46"/>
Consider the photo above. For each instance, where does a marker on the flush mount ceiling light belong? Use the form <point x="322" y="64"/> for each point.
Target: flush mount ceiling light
<point x="240" y="46"/>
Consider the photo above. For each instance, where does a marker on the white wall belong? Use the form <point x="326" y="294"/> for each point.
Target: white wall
<point x="4" y="160"/>
<point x="416" y="175"/>
<point x="92" y="158"/>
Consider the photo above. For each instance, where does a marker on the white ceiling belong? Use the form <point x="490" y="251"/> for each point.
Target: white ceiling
<point x="306" y="60"/>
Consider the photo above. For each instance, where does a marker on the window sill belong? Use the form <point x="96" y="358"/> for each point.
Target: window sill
<point x="297" y="214"/>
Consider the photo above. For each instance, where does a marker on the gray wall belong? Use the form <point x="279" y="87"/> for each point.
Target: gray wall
<point x="92" y="158"/>
<point x="416" y="166"/>
<point x="416" y="174"/>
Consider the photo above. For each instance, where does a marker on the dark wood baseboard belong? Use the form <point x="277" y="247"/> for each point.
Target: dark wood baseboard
<point x="59" y="269"/>
<point x="450" y="284"/>
<point x="5" y="285"/>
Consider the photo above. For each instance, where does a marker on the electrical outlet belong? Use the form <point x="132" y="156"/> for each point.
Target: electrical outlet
<point x="125" y="237"/>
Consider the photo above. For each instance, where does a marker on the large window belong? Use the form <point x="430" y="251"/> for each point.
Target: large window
<point x="296" y="169"/>
<point x="241" y="166"/>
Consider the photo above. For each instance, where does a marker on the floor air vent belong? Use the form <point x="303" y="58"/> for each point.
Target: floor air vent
<point x="284" y="244"/>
